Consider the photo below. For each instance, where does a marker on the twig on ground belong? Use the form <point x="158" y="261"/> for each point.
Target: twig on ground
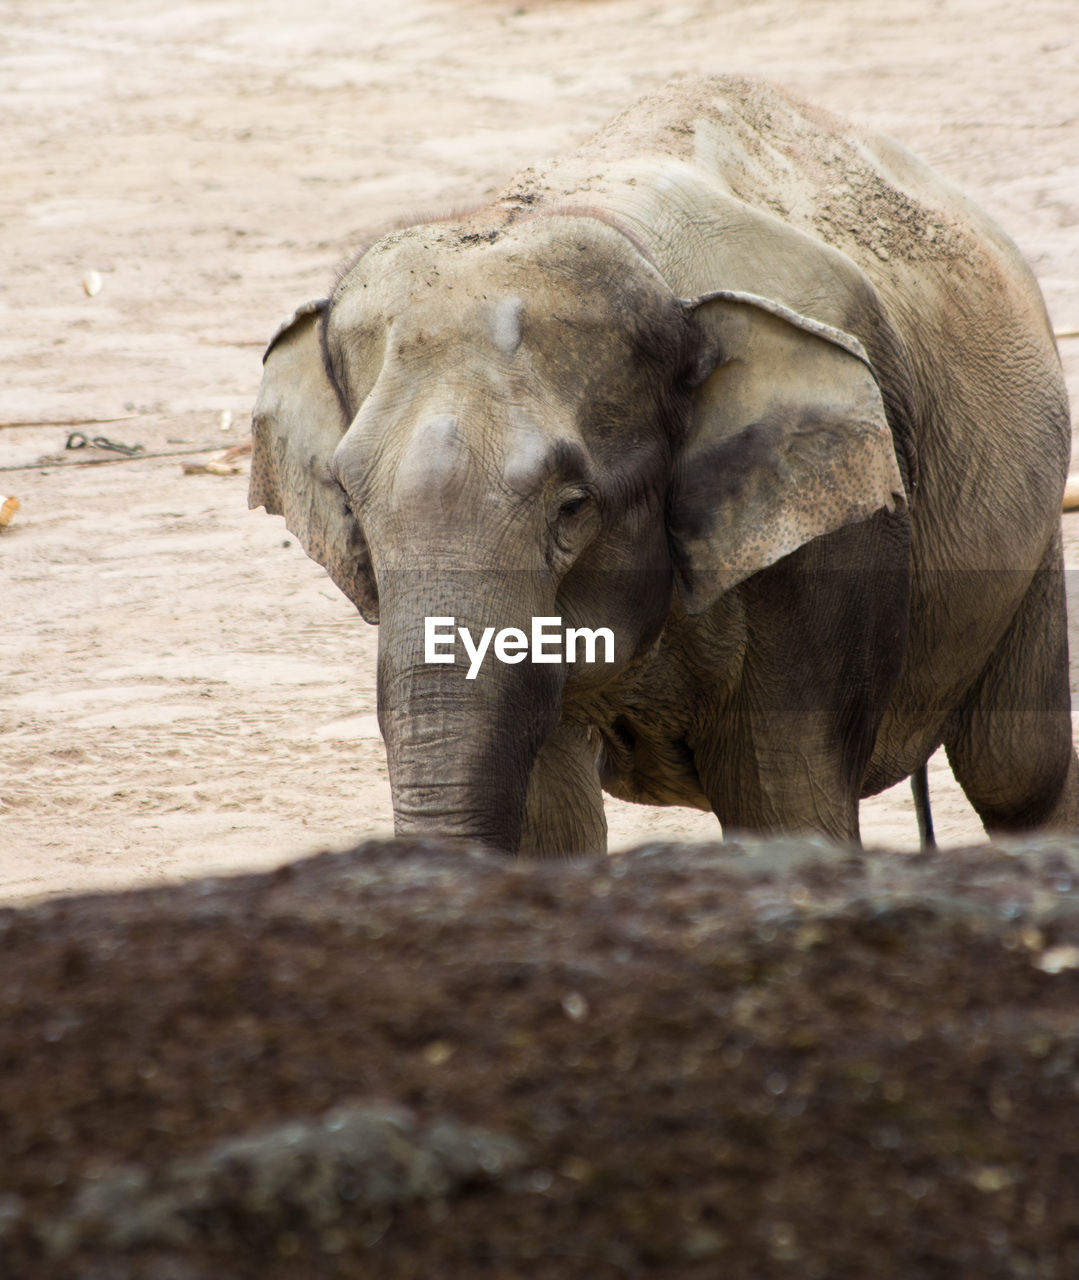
<point x="70" y="422"/>
<point x="47" y="465"/>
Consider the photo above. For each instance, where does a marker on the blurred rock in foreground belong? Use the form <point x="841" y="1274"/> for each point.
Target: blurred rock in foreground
<point x="752" y="1060"/>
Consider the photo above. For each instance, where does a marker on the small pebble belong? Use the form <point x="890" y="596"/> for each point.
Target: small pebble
<point x="575" y="1006"/>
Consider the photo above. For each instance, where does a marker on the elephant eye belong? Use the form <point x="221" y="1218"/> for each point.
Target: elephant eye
<point x="575" y="520"/>
<point x="574" y="499"/>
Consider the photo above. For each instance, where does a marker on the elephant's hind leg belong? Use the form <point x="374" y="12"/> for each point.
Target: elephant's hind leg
<point x="564" y="815"/>
<point x="1010" y="743"/>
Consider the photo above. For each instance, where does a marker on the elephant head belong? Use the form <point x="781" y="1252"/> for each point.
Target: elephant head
<point x="498" y="422"/>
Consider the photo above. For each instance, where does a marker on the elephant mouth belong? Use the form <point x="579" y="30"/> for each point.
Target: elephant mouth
<point x="334" y="474"/>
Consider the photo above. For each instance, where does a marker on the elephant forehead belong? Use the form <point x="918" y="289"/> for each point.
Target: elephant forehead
<point x="502" y="316"/>
<point x="502" y="289"/>
<point x="489" y="324"/>
<point x="566" y="318"/>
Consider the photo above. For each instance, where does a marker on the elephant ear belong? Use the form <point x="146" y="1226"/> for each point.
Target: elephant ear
<point x="787" y="441"/>
<point x="297" y="423"/>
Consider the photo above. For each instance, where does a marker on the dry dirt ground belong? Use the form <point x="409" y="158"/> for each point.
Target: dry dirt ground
<point x="695" y="1063"/>
<point x="685" y="1061"/>
<point x="181" y="689"/>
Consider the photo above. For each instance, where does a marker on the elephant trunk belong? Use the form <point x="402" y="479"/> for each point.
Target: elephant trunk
<point x="460" y="751"/>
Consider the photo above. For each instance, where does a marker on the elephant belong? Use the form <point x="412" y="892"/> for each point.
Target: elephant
<point x="757" y="419"/>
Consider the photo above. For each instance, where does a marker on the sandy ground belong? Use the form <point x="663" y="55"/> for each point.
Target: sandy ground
<point x="181" y="689"/>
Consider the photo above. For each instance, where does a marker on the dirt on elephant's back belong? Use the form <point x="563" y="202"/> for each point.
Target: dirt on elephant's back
<point x="743" y="1060"/>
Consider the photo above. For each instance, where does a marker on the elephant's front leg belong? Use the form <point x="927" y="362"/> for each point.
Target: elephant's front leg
<point x="564" y="814"/>
<point x="826" y="629"/>
<point x="765" y="774"/>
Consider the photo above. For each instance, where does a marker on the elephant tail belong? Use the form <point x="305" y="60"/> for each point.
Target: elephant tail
<point x="919" y="785"/>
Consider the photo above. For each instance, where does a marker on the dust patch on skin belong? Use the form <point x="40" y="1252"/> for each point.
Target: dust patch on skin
<point x="884" y="220"/>
<point x="421" y="218"/>
<point x="435" y="461"/>
<point x="766" y="142"/>
<point x="505" y="325"/>
<point x="525" y="451"/>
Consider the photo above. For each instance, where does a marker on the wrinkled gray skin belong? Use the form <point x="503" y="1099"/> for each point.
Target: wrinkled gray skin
<point x="764" y="396"/>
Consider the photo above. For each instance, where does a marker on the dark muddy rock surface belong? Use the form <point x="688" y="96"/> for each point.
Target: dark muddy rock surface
<point x="742" y="1060"/>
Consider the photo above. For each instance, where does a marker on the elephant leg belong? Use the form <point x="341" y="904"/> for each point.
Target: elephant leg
<point x="769" y="775"/>
<point x="826" y="629"/>
<point x="564" y="815"/>
<point x="1010" y="743"/>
